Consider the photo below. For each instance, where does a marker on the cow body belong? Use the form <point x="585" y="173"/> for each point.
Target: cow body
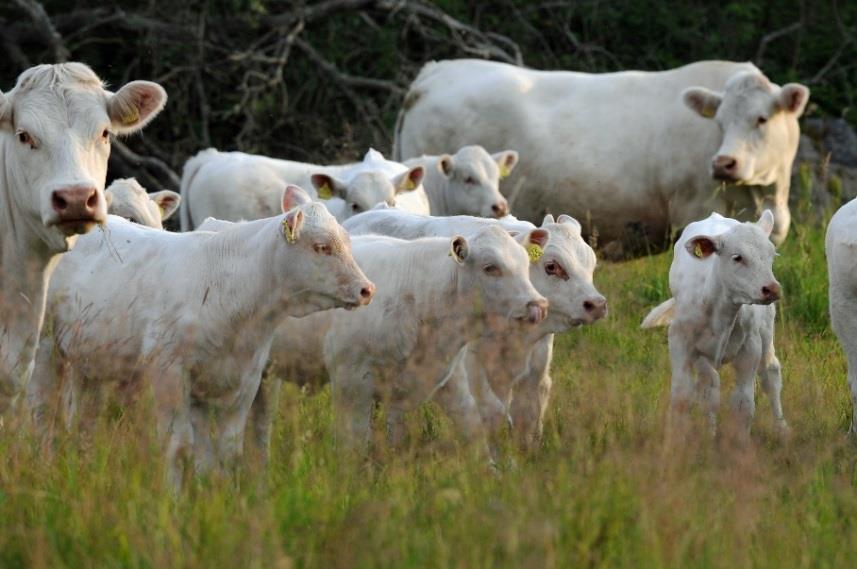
<point x="630" y="154"/>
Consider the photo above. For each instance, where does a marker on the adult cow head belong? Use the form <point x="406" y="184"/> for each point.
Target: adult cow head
<point x="55" y="131"/>
<point x="758" y="120"/>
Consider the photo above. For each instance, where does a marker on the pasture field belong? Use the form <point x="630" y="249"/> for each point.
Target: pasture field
<point x="605" y="489"/>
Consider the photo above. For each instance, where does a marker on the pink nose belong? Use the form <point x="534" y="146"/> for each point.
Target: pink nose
<point x="537" y="310"/>
<point x="595" y="307"/>
<point x="771" y="292"/>
<point x="78" y="203"/>
<point x="500" y="209"/>
<point x="366" y="293"/>
<point x="724" y="167"/>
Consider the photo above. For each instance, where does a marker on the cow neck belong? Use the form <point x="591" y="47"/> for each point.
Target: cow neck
<point x="437" y="199"/>
<point x="722" y="314"/>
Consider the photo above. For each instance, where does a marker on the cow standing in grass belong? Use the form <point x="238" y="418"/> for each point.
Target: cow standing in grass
<point x="55" y="130"/>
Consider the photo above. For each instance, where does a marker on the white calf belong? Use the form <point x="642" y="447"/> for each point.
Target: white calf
<point x="127" y="198"/>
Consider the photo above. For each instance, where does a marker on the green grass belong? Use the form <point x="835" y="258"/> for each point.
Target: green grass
<point x="603" y="490"/>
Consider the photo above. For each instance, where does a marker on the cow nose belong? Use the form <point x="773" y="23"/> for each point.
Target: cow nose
<point x="771" y="292"/>
<point x="537" y="310"/>
<point x="366" y="293"/>
<point x="724" y="166"/>
<point x="78" y="203"/>
<point x="596" y="307"/>
<point x="500" y="209"/>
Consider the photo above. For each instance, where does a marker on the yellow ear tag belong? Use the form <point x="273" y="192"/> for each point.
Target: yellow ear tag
<point x="131" y="117"/>
<point x="504" y="171"/>
<point x="162" y="210"/>
<point x="287" y="232"/>
<point x="697" y="251"/>
<point x="534" y="252"/>
<point x="708" y="112"/>
<point x="325" y="192"/>
<point x="410" y="185"/>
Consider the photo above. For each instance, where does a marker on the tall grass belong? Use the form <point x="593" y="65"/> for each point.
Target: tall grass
<point x="603" y="490"/>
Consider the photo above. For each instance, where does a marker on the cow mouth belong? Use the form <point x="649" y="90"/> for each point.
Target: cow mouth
<point x="351" y="305"/>
<point x="76" y="226"/>
<point x="725" y="177"/>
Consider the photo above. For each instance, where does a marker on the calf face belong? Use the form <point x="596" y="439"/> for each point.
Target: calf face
<point x="473" y="178"/>
<point x="367" y="189"/>
<point x="759" y="124"/>
<point x="56" y="126"/>
<point x="498" y="268"/>
<point x="127" y="198"/>
<point x="563" y="273"/>
<point x="321" y="267"/>
<point x="743" y="258"/>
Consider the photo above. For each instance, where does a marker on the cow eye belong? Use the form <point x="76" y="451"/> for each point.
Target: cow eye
<point x="105" y="135"/>
<point x="738" y="258"/>
<point x="355" y="208"/>
<point x="322" y="248"/>
<point x="25" y="138"/>
<point x="470" y="180"/>
<point x="761" y="120"/>
<point x="555" y="269"/>
<point x="492" y="270"/>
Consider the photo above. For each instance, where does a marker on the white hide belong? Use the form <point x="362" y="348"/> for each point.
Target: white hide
<point x="235" y="186"/>
<point x="721" y="312"/>
<point x="630" y="154"/>
<point x="841" y="249"/>
<point x="55" y="131"/>
<point x="127" y="198"/>
<point x="195" y="317"/>
<point x="467" y="182"/>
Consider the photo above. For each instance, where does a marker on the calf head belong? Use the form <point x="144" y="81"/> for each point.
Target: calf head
<point x="127" y="198"/>
<point x="563" y="274"/>
<point x="758" y="120"/>
<point x="498" y="269"/>
<point x="473" y="181"/>
<point x="320" y="264"/>
<point x="367" y="189"/>
<point x="55" y="130"/>
<point x="743" y="258"/>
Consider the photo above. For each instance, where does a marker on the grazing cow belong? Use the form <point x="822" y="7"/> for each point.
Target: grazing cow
<point x="55" y="130"/>
<point x="468" y="182"/>
<point x="722" y="312"/>
<point x="633" y="155"/>
<point x="235" y="186"/>
<point x="509" y="374"/>
<point x="434" y="295"/>
<point x="195" y="318"/>
<point x="841" y="248"/>
<point x="127" y="198"/>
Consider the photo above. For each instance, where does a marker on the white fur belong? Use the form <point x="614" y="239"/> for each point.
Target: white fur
<point x="127" y="198"/>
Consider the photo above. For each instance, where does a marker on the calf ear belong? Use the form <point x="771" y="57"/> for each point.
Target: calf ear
<point x="459" y="249"/>
<point x="766" y="222"/>
<point x="568" y="220"/>
<point x="793" y="98"/>
<point x="535" y="244"/>
<point x="702" y="101"/>
<point x="702" y="247"/>
<point x="294" y="196"/>
<point x="445" y="164"/>
<point x="134" y="105"/>
<point x="167" y="201"/>
<point x="328" y="187"/>
<point x="506" y="161"/>
<point x="410" y="180"/>
<point x="548" y="219"/>
<point x="292" y="224"/>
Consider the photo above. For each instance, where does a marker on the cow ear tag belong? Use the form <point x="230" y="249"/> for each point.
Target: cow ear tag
<point x="410" y="185"/>
<point x="131" y="117"/>
<point x="325" y="192"/>
<point x="708" y="112"/>
<point x="697" y="251"/>
<point x="504" y="171"/>
<point x="534" y="252"/>
<point x="287" y="232"/>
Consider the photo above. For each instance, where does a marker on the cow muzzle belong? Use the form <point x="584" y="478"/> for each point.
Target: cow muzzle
<point x="363" y="297"/>
<point x="537" y="310"/>
<point x="77" y="209"/>
<point x="595" y="308"/>
<point x="725" y="168"/>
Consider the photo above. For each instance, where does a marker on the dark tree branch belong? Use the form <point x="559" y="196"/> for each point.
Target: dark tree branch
<point x="45" y="27"/>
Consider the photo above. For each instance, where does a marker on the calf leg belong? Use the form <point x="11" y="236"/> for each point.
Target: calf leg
<point x="351" y="391"/>
<point x="709" y="384"/>
<point x="532" y="394"/>
<point x="458" y="403"/>
<point x="746" y="364"/>
<point x="262" y="414"/>
<point x="772" y="383"/>
<point x="172" y="402"/>
<point x="681" y="386"/>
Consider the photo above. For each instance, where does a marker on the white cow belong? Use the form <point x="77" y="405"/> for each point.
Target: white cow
<point x="195" y="316"/>
<point x="467" y="182"/>
<point x="841" y="248"/>
<point x="509" y="374"/>
<point x="721" y="312"/>
<point x="55" y="130"/>
<point x="234" y="186"/>
<point x="127" y="198"/>
<point x="434" y="295"/>
<point x="631" y="154"/>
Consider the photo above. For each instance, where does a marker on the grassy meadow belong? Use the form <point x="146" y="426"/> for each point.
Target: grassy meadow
<point x="603" y="490"/>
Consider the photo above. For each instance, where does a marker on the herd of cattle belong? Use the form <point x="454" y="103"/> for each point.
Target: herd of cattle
<point x="401" y="281"/>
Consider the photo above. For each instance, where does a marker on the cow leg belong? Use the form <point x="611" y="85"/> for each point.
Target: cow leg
<point x="709" y="382"/>
<point x="746" y="366"/>
<point x="532" y="394"/>
<point x="352" y="388"/>
<point x="772" y="383"/>
<point x="681" y="387"/>
<point x="262" y="412"/>
<point x="172" y="402"/>
<point x="203" y="450"/>
<point x="456" y="400"/>
<point x="43" y="392"/>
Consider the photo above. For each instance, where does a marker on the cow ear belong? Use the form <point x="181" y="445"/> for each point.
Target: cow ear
<point x="445" y="164"/>
<point x="292" y="224"/>
<point x="793" y="98"/>
<point x="766" y="222"/>
<point x="506" y="161"/>
<point x="568" y="220"/>
<point x="134" y="105"/>
<point x="168" y="202"/>
<point x="294" y="196"/>
<point x="548" y="219"/>
<point x="535" y="244"/>
<point x="459" y="249"/>
<point x="327" y="187"/>
<point x="702" y="247"/>
<point x="702" y="101"/>
<point x="410" y="180"/>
